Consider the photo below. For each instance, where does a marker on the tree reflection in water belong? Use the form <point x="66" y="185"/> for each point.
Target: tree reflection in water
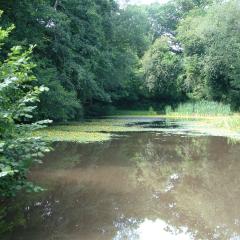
<point x="140" y="186"/>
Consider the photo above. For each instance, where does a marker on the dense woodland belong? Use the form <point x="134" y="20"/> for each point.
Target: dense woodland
<point x="67" y="59"/>
<point x="94" y="55"/>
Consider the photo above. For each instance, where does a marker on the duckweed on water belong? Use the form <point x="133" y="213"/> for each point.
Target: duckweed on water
<point x="54" y="135"/>
<point x="90" y="131"/>
<point x="100" y="130"/>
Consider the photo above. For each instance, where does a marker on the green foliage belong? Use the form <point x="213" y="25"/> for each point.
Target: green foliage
<point x="132" y="29"/>
<point x="163" y="18"/>
<point x="18" y="98"/>
<point x="231" y="123"/>
<point x="94" y="56"/>
<point x="162" y="67"/>
<point x="212" y="52"/>
<point x="87" y="52"/>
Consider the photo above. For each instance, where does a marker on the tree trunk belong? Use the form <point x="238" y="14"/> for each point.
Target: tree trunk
<point x="56" y="4"/>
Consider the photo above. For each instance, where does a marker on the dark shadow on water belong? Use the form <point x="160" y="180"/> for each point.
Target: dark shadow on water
<point x="155" y="124"/>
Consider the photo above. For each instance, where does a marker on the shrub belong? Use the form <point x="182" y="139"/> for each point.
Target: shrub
<point x="18" y="98"/>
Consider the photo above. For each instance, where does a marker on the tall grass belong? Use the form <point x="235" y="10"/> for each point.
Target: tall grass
<point x="229" y="123"/>
<point x="200" y="108"/>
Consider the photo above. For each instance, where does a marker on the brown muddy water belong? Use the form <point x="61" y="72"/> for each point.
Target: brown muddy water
<point x="138" y="186"/>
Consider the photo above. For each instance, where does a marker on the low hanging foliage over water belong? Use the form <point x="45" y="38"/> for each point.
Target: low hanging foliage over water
<point x="18" y="98"/>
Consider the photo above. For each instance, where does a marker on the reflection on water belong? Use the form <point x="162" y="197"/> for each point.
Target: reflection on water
<point x="141" y="186"/>
<point x="148" y="123"/>
<point x="154" y="230"/>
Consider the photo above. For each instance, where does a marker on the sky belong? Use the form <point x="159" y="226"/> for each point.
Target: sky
<point x="146" y="1"/>
<point x="142" y="1"/>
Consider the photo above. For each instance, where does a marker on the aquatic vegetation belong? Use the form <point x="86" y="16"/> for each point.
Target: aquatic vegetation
<point x="100" y="130"/>
<point x="200" y="108"/>
<point x="73" y="136"/>
<point x="90" y="131"/>
<point x="231" y="123"/>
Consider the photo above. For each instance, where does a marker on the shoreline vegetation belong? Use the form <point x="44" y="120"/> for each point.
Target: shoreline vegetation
<point x="65" y="61"/>
<point x="219" y="121"/>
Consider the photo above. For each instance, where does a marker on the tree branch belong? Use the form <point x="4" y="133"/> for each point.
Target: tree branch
<point x="56" y="4"/>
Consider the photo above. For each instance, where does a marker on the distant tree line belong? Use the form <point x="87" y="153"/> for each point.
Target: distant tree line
<point x="93" y="55"/>
<point x="196" y="52"/>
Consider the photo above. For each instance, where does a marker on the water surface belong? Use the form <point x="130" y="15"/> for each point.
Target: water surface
<point x="138" y="186"/>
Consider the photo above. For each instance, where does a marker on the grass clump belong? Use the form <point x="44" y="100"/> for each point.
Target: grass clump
<point x="230" y="123"/>
<point x="200" y="108"/>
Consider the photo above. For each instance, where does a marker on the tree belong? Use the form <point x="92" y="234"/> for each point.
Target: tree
<point x="131" y="38"/>
<point x="212" y="51"/>
<point x="18" y="98"/>
<point x="38" y="22"/>
<point x="87" y="52"/>
<point x="162" y="68"/>
<point x="164" y="18"/>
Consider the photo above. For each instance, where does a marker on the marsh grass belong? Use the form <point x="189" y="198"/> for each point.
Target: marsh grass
<point x="231" y="123"/>
<point x="201" y="108"/>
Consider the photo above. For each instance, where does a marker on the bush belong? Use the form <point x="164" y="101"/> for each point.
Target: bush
<point x="18" y="98"/>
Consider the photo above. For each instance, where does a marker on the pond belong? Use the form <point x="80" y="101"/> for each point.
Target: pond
<point x="137" y="186"/>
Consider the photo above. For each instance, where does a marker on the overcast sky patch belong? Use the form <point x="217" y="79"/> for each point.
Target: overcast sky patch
<point x="140" y="2"/>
